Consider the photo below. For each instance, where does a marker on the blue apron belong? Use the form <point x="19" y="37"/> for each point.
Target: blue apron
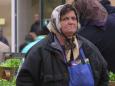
<point x="80" y="74"/>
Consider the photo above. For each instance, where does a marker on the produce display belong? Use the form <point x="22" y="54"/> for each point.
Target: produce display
<point x="11" y="63"/>
<point x="111" y="76"/>
<point x="4" y="82"/>
<point x="8" y="70"/>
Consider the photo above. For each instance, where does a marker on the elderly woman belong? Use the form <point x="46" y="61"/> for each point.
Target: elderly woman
<point x="63" y="58"/>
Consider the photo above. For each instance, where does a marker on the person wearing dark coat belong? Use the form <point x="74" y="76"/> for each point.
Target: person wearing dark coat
<point x="98" y="27"/>
<point x="63" y="58"/>
<point x="30" y="37"/>
<point x="2" y="38"/>
<point x="107" y="4"/>
<point x="36" y="25"/>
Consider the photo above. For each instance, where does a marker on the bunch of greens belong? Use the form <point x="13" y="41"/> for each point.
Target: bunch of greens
<point x="4" y="82"/>
<point x="111" y="76"/>
<point x="14" y="62"/>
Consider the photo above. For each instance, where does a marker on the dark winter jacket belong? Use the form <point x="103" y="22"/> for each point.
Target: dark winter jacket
<point x="107" y="4"/>
<point x="4" y="40"/>
<point x="104" y="38"/>
<point x="98" y="27"/>
<point x="45" y="65"/>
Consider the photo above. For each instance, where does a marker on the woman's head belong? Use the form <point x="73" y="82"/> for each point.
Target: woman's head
<point x="90" y="10"/>
<point x="64" y="18"/>
<point x="68" y="21"/>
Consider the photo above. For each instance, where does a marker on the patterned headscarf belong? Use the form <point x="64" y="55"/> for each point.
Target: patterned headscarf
<point x="91" y="10"/>
<point x="55" y="27"/>
<point x="54" y="24"/>
<point x="55" y="19"/>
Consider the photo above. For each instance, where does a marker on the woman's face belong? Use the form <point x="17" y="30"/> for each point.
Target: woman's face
<point x="69" y="24"/>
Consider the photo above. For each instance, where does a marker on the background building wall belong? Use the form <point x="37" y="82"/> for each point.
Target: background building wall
<point x="25" y="16"/>
<point x="35" y="8"/>
<point x="24" y="19"/>
<point x="5" y="12"/>
<point x="113" y="2"/>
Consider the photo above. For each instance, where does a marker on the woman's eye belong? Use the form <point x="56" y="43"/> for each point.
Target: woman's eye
<point x="69" y="18"/>
<point x="73" y="18"/>
<point x="65" y="19"/>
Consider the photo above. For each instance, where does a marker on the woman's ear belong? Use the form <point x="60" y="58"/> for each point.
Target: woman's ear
<point x="79" y="25"/>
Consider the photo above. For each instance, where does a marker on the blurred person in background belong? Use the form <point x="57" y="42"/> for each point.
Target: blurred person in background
<point x="4" y="48"/>
<point x="27" y="47"/>
<point x="30" y="37"/>
<point x="2" y="38"/>
<point x="36" y="25"/>
<point x="98" y="27"/>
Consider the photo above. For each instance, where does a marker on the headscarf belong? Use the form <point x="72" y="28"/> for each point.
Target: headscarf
<point x="54" y="24"/>
<point x="55" y="27"/>
<point x="91" y="11"/>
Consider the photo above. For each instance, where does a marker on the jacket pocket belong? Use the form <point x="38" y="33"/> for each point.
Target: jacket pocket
<point x="53" y="78"/>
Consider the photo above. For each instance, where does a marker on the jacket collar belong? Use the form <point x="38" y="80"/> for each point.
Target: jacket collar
<point x="54" y="43"/>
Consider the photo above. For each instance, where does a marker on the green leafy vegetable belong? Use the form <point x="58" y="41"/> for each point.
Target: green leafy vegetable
<point x="11" y="63"/>
<point x="111" y="76"/>
<point x="4" y="82"/>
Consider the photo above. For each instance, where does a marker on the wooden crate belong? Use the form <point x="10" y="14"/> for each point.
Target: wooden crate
<point x="112" y="83"/>
<point x="7" y="73"/>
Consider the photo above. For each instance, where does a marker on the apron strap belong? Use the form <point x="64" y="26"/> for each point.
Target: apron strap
<point x="82" y="56"/>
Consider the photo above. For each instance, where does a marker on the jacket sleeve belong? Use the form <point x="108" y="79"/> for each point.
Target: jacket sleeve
<point x="103" y="71"/>
<point x="100" y="69"/>
<point x="104" y="80"/>
<point x="29" y="74"/>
